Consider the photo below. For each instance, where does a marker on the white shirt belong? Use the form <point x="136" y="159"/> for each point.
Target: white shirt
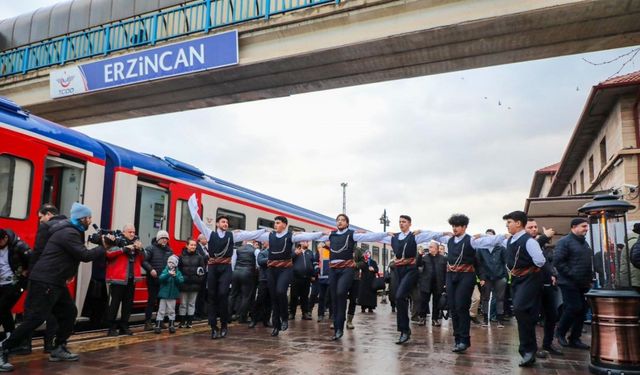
<point x="423" y="236"/>
<point x="296" y="237"/>
<point x="360" y="237"/>
<point x="533" y="248"/>
<point x="6" y="275"/>
<point x="483" y="242"/>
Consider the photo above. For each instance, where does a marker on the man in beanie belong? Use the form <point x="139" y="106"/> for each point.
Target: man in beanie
<point x="48" y="292"/>
<point x="155" y="260"/>
<point x="573" y="261"/>
<point x="634" y="257"/>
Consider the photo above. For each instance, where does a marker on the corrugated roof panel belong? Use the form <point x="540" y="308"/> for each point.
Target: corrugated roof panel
<point x="145" y="6"/>
<point x="6" y="33"/>
<point x="100" y="12"/>
<point x="22" y="30"/>
<point x="40" y="24"/>
<point x="122" y="9"/>
<point x="79" y="14"/>
<point x="59" y="20"/>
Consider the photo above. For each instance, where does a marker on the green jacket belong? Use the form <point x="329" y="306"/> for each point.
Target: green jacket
<point x="624" y="260"/>
<point x="170" y="285"/>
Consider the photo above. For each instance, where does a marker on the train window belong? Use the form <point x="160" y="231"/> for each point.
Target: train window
<point x="364" y="247"/>
<point x="63" y="183"/>
<point x="376" y="253"/>
<point x="293" y="228"/>
<point x="236" y="219"/>
<point x="15" y="186"/>
<point x="151" y="211"/>
<point x="265" y="223"/>
<point x="184" y="223"/>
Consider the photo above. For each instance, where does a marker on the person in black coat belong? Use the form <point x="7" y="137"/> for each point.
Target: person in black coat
<point x="201" y="300"/>
<point x="493" y="279"/>
<point x="191" y="265"/>
<point x="304" y="266"/>
<point x="242" y="282"/>
<point x="261" y="309"/>
<point x="431" y="282"/>
<point x="14" y="267"/>
<point x="367" y="295"/>
<point x="155" y="260"/>
<point x="573" y="261"/>
<point x="48" y="290"/>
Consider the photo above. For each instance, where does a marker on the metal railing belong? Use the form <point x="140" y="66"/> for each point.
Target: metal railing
<point x="186" y="19"/>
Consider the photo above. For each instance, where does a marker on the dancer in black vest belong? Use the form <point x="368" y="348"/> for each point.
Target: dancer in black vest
<point x="405" y="249"/>
<point x="524" y="259"/>
<point x="279" y="271"/>
<point x="461" y="276"/>
<point x="219" y="272"/>
<point x="342" y="267"/>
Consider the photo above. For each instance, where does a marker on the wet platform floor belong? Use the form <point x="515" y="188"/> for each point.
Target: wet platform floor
<point x="305" y="349"/>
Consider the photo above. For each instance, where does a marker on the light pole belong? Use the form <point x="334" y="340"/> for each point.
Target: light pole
<point x="344" y="197"/>
<point x="384" y="220"/>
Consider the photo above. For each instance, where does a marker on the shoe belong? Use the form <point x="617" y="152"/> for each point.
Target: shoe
<point x="475" y="320"/>
<point x="350" y="322"/>
<point x="337" y="335"/>
<point x="306" y="316"/>
<point x="148" y="325"/>
<point x="331" y="326"/>
<point x="436" y="323"/>
<point x="182" y="321"/>
<point x="404" y="337"/>
<point x="214" y="333"/>
<point x="528" y="359"/>
<point x="370" y="311"/>
<point x="552" y="349"/>
<point x="579" y="345"/>
<point x="5" y="366"/>
<point x="562" y="340"/>
<point x="542" y="354"/>
<point x="21" y="350"/>
<point x="172" y="327"/>
<point x="422" y="322"/>
<point x="223" y="332"/>
<point x="275" y="332"/>
<point x="285" y="325"/>
<point x="48" y="345"/>
<point x="500" y="323"/>
<point x="415" y="318"/>
<point x="61" y="353"/>
<point x="485" y="321"/>
<point x="112" y="332"/>
<point x="126" y="331"/>
<point x="189" y="322"/>
<point x="460" y="348"/>
<point x="253" y="324"/>
<point x="158" y="327"/>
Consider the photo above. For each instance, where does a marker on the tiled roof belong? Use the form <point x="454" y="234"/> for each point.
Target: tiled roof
<point x="553" y="168"/>
<point x="625" y="79"/>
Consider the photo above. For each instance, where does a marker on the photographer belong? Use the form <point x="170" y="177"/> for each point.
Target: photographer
<point x="155" y="260"/>
<point x="48" y="290"/>
<point x="124" y="262"/>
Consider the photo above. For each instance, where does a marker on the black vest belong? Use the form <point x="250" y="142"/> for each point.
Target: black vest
<point x="341" y="245"/>
<point x="464" y="247"/>
<point x="280" y="248"/>
<point x="220" y="247"/>
<point x="519" y="249"/>
<point x="406" y="248"/>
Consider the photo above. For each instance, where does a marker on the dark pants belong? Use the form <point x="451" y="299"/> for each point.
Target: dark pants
<point x="218" y="283"/>
<point x="279" y="280"/>
<point x="120" y="294"/>
<point x="434" y="295"/>
<point x="319" y="294"/>
<point x="262" y="306"/>
<point x="497" y="287"/>
<point x="201" y="299"/>
<point x="549" y="309"/>
<point x="573" y="310"/>
<point x="153" y="286"/>
<point x="526" y="300"/>
<point x="242" y="284"/>
<point x="459" y="290"/>
<point x="9" y="295"/>
<point x="299" y="295"/>
<point x="352" y="296"/>
<point x="407" y="277"/>
<point x="42" y="300"/>
<point x="340" y="281"/>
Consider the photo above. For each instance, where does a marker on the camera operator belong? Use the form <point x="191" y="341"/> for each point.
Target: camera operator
<point x="124" y="263"/>
<point x="155" y="260"/>
<point x="48" y="290"/>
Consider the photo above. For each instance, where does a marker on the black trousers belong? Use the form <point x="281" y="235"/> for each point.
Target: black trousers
<point x="120" y="295"/>
<point x="526" y="301"/>
<point x="242" y="285"/>
<point x="340" y="281"/>
<point x="279" y="280"/>
<point x="9" y="295"/>
<point x="261" y="309"/>
<point x="299" y="295"/>
<point x="201" y="299"/>
<point x="218" y="283"/>
<point x="353" y="297"/>
<point x="42" y="300"/>
<point x="319" y="295"/>
<point x="550" y="312"/>
<point x="153" y="287"/>
<point x="459" y="290"/>
<point x="432" y="294"/>
<point x="407" y="277"/>
<point x="573" y="310"/>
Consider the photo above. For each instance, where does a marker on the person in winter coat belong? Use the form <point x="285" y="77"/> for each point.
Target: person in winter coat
<point x="493" y="279"/>
<point x="303" y="271"/>
<point x="170" y="280"/>
<point x="242" y="282"/>
<point x="573" y="261"/>
<point x="431" y="281"/>
<point x="14" y="266"/>
<point x="192" y="265"/>
<point x="320" y="288"/>
<point x="634" y="267"/>
<point x="155" y="259"/>
<point x="261" y="309"/>
<point x="367" y="295"/>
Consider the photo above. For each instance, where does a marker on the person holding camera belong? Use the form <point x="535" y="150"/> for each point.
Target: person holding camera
<point x="48" y="292"/>
<point x="124" y="262"/>
<point x="192" y="265"/>
<point x="155" y="260"/>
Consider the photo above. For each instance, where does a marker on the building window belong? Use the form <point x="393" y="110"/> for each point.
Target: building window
<point x="236" y="219"/>
<point x="582" y="181"/>
<point x="15" y="185"/>
<point x="603" y="152"/>
<point x="184" y="223"/>
<point x="575" y="187"/>
<point x="294" y="229"/>
<point x="591" y="168"/>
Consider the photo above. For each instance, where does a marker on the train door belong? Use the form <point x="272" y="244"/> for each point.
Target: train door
<point x="63" y="183"/>
<point x="182" y="224"/>
<point x="152" y="211"/>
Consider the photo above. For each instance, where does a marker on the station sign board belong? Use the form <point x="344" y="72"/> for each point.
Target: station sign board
<point x="170" y="60"/>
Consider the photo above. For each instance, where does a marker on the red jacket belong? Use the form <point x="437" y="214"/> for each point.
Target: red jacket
<point x="118" y="266"/>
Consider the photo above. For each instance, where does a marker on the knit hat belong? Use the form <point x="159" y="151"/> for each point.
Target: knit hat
<point x="578" y="221"/>
<point x="636" y="228"/>
<point x="162" y="234"/>
<point x="173" y="261"/>
<point x="79" y="211"/>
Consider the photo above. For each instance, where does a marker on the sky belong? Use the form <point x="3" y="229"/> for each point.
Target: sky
<point x="462" y="142"/>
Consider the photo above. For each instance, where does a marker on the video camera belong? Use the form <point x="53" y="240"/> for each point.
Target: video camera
<point x="119" y="241"/>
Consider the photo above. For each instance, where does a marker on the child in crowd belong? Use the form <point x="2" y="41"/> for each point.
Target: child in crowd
<point x="170" y="280"/>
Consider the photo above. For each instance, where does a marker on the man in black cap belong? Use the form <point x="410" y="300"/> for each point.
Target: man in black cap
<point x="573" y="261"/>
<point x="524" y="260"/>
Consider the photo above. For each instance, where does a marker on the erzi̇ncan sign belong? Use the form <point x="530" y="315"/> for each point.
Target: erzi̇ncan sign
<point x="211" y="52"/>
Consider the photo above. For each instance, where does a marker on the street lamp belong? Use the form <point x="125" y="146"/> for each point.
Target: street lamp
<point x="384" y="220"/>
<point x="344" y="197"/>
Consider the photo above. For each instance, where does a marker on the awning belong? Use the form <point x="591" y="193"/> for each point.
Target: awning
<point x="556" y="212"/>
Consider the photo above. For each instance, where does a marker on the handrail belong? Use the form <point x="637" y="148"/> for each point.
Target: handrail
<point x="186" y="19"/>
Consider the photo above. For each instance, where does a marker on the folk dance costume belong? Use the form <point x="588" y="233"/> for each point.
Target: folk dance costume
<point x="524" y="259"/>
<point x="280" y="272"/>
<point x="342" y="270"/>
<point x="405" y="249"/>
<point x="461" y="279"/>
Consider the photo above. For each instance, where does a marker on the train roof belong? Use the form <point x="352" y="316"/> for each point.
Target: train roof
<point x="14" y="116"/>
<point x="124" y="158"/>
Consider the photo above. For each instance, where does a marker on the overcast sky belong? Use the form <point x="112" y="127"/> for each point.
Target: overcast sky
<point x="428" y="147"/>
